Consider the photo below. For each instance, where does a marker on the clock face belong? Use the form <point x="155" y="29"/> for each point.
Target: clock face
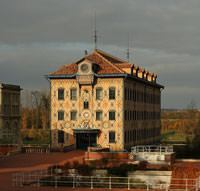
<point x="86" y="114"/>
<point x="84" y="68"/>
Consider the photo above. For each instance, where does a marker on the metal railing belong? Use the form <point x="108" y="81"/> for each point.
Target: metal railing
<point x="152" y="148"/>
<point x="36" y="148"/>
<point x="55" y="180"/>
<point x="30" y="148"/>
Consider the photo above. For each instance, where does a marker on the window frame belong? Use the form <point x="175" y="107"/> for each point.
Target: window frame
<point x="61" y="137"/>
<point x="59" y="115"/>
<point x="101" y="94"/>
<point x="85" y="105"/>
<point x="112" y="137"/>
<point x="61" y="96"/>
<point x="71" y="116"/>
<point x="73" y="97"/>
<point x="110" y="116"/>
<point x="100" y="115"/>
<point x="111" y="95"/>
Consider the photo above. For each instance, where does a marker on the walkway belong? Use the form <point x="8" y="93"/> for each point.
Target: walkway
<point x="32" y="161"/>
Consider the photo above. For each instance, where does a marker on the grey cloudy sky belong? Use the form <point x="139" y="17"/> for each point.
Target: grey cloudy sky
<point x="38" y="36"/>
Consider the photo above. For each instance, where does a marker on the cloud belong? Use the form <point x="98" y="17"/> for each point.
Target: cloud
<point x="37" y="37"/>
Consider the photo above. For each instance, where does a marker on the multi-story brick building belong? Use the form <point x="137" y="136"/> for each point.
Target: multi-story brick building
<point x="9" y="110"/>
<point x="105" y="101"/>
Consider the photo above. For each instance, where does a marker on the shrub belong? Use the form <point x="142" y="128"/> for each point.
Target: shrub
<point x="104" y="162"/>
<point x="164" y="168"/>
<point x="93" y="164"/>
<point x="143" y="165"/>
<point x="75" y="164"/>
<point x="66" y="168"/>
<point x="118" y="171"/>
<point x="84" y="170"/>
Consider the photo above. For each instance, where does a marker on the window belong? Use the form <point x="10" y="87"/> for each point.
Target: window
<point x="112" y="115"/>
<point x="125" y="137"/>
<point x="15" y="129"/>
<point x="98" y="115"/>
<point x="60" y="94"/>
<point x="111" y="136"/>
<point x="7" y="130"/>
<point x="73" y="115"/>
<point x="125" y="93"/>
<point x="128" y="94"/>
<point x="60" y="136"/>
<point x="99" y="94"/>
<point x="60" y="115"/>
<point x="73" y="94"/>
<point x="86" y="105"/>
<point x="111" y="93"/>
<point x="125" y="115"/>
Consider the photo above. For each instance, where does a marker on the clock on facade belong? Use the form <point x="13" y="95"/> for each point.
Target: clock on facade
<point x="84" y="68"/>
<point x="86" y="114"/>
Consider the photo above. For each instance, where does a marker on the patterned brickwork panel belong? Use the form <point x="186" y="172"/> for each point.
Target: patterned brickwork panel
<point x="81" y="110"/>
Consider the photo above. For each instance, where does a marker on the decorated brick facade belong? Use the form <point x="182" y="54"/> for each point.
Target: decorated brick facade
<point x="101" y="101"/>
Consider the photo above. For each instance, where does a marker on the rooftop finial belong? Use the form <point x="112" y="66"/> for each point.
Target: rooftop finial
<point x="95" y="33"/>
<point x="128" y="54"/>
<point x="128" y="51"/>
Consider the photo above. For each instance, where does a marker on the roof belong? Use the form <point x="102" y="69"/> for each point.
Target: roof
<point x="106" y="62"/>
<point x="106" y="65"/>
<point x="9" y="86"/>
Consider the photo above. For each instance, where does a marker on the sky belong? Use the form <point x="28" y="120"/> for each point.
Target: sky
<point x="38" y="36"/>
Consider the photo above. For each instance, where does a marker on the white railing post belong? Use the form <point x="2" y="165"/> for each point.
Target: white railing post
<point x="73" y="181"/>
<point x="110" y="182"/>
<point x="186" y="185"/>
<point x="38" y="181"/>
<point x="91" y="182"/>
<point x="197" y="184"/>
<point x="166" y="186"/>
<point x="147" y="187"/>
<point x="55" y="181"/>
<point x="128" y="183"/>
<point x="160" y="150"/>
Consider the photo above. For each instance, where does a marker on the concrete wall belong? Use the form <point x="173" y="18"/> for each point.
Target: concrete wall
<point x="156" y="158"/>
<point x="152" y="177"/>
<point x="109" y="155"/>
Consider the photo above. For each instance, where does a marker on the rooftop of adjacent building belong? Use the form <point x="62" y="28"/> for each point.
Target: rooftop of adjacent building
<point x="9" y="86"/>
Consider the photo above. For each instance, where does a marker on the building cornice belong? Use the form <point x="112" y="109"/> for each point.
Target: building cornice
<point x="109" y="75"/>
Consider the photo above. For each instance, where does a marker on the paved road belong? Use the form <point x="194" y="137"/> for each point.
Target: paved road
<point x="32" y="161"/>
